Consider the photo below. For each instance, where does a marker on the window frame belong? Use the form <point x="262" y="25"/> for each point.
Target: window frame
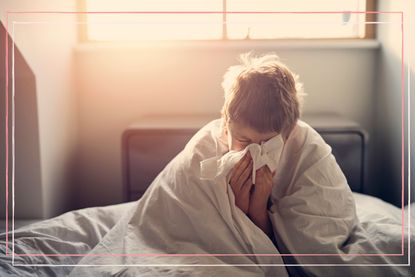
<point x="370" y="29"/>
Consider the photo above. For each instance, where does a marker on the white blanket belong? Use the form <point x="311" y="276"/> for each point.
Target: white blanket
<point x="314" y="215"/>
<point x="182" y="214"/>
<point x="313" y="212"/>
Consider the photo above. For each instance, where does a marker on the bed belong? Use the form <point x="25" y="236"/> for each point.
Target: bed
<point x="68" y="238"/>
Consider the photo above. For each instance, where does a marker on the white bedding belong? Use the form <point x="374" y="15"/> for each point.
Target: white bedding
<point x="181" y="213"/>
<point x="79" y="231"/>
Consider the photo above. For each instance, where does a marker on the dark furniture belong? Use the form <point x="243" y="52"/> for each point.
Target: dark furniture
<point x="149" y="144"/>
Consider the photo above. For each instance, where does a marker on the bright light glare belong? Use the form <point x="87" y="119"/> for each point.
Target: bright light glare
<point x="290" y="25"/>
<point x="132" y="27"/>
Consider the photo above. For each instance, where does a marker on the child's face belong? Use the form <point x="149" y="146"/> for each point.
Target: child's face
<point x="240" y="136"/>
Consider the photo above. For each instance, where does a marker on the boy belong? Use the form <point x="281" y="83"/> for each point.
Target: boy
<point x="209" y="205"/>
<point x="262" y="100"/>
<point x="312" y="213"/>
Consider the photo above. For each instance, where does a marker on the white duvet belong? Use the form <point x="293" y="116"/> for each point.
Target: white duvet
<point x="195" y="222"/>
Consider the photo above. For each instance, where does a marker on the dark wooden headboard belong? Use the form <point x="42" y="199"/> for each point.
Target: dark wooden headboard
<point x="149" y="144"/>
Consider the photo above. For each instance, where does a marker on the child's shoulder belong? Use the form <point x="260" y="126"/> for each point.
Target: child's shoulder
<point x="203" y="145"/>
<point x="207" y="141"/>
<point x="308" y="141"/>
<point x="307" y="133"/>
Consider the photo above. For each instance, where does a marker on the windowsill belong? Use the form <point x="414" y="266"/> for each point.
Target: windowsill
<point x="233" y="44"/>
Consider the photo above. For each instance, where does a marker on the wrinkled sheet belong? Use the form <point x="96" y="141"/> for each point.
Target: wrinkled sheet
<point x="76" y="232"/>
<point x="182" y="214"/>
<point x="88" y="226"/>
<point x="314" y="217"/>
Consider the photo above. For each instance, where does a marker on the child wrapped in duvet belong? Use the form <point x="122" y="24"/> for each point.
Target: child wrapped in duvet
<point x="254" y="193"/>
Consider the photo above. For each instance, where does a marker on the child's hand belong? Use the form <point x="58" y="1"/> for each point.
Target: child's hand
<point x="241" y="183"/>
<point x="257" y="211"/>
<point x="261" y="192"/>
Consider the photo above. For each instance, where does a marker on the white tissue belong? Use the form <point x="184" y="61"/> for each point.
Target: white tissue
<point x="267" y="153"/>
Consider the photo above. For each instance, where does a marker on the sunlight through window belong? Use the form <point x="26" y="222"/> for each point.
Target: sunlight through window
<point x="231" y="19"/>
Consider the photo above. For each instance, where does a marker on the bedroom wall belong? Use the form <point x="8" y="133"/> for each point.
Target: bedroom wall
<point x="387" y="160"/>
<point x="26" y="134"/>
<point x="119" y="83"/>
<point x="80" y="126"/>
<point x="47" y="49"/>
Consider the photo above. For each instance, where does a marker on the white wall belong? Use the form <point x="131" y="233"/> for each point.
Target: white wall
<point x="48" y="51"/>
<point x="387" y="161"/>
<point x="118" y="84"/>
<point x="81" y="126"/>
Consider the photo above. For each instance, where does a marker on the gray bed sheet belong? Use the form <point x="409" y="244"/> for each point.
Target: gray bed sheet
<point x="68" y="237"/>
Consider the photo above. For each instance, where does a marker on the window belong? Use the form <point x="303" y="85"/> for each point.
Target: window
<point x="225" y="19"/>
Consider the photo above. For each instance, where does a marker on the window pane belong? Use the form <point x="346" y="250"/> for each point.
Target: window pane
<point x="180" y="26"/>
<point x="294" y="25"/>
<point x="127" y="27"/>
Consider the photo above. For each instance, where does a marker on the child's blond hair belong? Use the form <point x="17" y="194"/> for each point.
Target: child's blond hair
<point x="262" y="93"/>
